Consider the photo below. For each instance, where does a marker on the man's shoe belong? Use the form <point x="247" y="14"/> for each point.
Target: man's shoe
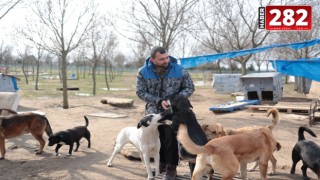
<point x="162" y="167"/>
<point x="171" y="172"/>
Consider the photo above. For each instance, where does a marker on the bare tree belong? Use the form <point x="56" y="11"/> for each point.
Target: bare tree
<point x="140" y="54"/>
<point x="6" y="54"/>
<point x="6" y="6"/>
<point x="119" y="60"/>
<point x="159" y="21"/>
<point x="261" y="58"/>
<point x="66" y="24"/>
<point x="79" y="58"/>
<point x="49" y="61"/>
<point x="33" y="37"/>
<point x="38" y="61"/>
<point x="227" y="26"/>
<point x="98" y="42"/>
<point x="111" y="45"/>
<point x="26" y="60"/>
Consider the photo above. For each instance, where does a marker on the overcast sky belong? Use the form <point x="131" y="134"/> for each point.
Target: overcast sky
<point x="17" y="16"/>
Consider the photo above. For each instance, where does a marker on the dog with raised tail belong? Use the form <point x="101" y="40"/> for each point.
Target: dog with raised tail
<point x="229" y="153"/>
<point x="308" y="152"/>
<point x="182" y="113"/>
<point x="145" y="137"/>
<point x="275" y="120"/>
<point x="216" y="130"/>
<point x="69" y="137"/>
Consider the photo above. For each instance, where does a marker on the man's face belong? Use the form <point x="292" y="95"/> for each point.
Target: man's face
<point x="161" y="60"/>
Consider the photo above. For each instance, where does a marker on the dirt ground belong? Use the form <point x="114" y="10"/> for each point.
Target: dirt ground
<point x="21" y="162"/>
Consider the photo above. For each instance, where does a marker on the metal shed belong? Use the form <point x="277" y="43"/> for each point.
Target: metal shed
<point x="226" y="83"/>
<point x="263" y="86"/>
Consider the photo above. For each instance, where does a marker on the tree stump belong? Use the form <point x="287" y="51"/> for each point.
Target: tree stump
<point x="118" y="102"/>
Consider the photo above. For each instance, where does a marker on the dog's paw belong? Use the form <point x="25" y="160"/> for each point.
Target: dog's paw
<point x="271" y="173"/>
<point x="67" y="156"/>
<point x="54" y="156"/>
<point x="109" y="164"/>
<point x="37" y="152"/>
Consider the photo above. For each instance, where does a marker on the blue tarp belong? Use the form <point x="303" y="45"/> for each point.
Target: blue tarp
<point x="200" y="60"/>
<point x="233" y="105"/>
<point x="307" y="68"/>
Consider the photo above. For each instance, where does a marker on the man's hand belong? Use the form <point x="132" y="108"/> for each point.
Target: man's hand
<point x="164" y="105"/>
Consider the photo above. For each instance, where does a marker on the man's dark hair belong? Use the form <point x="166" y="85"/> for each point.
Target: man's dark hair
<point x="156" y="49"/>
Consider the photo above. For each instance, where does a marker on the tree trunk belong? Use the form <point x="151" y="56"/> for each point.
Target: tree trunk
<point x="84" y="71"/>
<point x="94" y="69"/>
<point x="51" y="66"/>
<point x="296" y="83"/>
<point x="219" y="67"/>
<point x="77" y="70"/>
<point x="106" y="75"/>
<point x="24" y="72"/>
<point x="243" y="68"/>
<point x="60" y="69"/>
<point x="64" y="81"/>
<point x="37" y="74"/>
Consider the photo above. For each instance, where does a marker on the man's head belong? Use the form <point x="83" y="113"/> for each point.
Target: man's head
<point x="160" y="57"/>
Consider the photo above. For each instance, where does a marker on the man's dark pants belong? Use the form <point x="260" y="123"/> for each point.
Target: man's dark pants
<point x="169" y="145"/>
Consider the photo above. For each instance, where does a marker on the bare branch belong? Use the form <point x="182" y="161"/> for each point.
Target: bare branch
<point x="8" y="6"/>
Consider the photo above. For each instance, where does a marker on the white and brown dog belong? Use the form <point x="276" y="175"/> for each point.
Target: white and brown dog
<point x="145" y="137"/>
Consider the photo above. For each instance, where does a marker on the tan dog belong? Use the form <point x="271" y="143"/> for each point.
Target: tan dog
<point x="226" y="154"/>
<point x="216" y="130"/>
<point x="18" y="124"/>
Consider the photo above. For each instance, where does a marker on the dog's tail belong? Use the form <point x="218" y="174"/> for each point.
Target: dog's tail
<point x="301" y="135"/>
<point x="188" y="144"/>
<point x="48" y="127"/>
<point x="87" y="121"/>
<point x="275" y="117"/>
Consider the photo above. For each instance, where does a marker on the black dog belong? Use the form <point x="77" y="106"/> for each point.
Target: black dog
<point x="183" y="114"/>
<point x="308" y="152"/>
<point x="69" y="137"/>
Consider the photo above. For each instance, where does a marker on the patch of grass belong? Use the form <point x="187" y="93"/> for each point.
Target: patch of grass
<point x="47" y="87"/>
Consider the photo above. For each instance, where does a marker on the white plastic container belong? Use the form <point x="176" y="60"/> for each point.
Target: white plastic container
<point x="239" y="98"/>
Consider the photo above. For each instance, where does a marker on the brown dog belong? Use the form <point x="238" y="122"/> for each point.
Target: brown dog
<point x="216" y="130"/>
<point x="18" y="124"/>
<point x="226" y="154"/>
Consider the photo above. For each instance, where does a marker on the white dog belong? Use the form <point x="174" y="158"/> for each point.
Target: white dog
<point x="145" y="137"/>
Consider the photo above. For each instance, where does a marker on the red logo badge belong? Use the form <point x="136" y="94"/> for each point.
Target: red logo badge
<point x="285" y="18"/>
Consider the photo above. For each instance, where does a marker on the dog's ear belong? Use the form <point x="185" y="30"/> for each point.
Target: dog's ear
<point x="139" y="125"/>
<point x="204" y="126"/>
<point x="224" y="133"/>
